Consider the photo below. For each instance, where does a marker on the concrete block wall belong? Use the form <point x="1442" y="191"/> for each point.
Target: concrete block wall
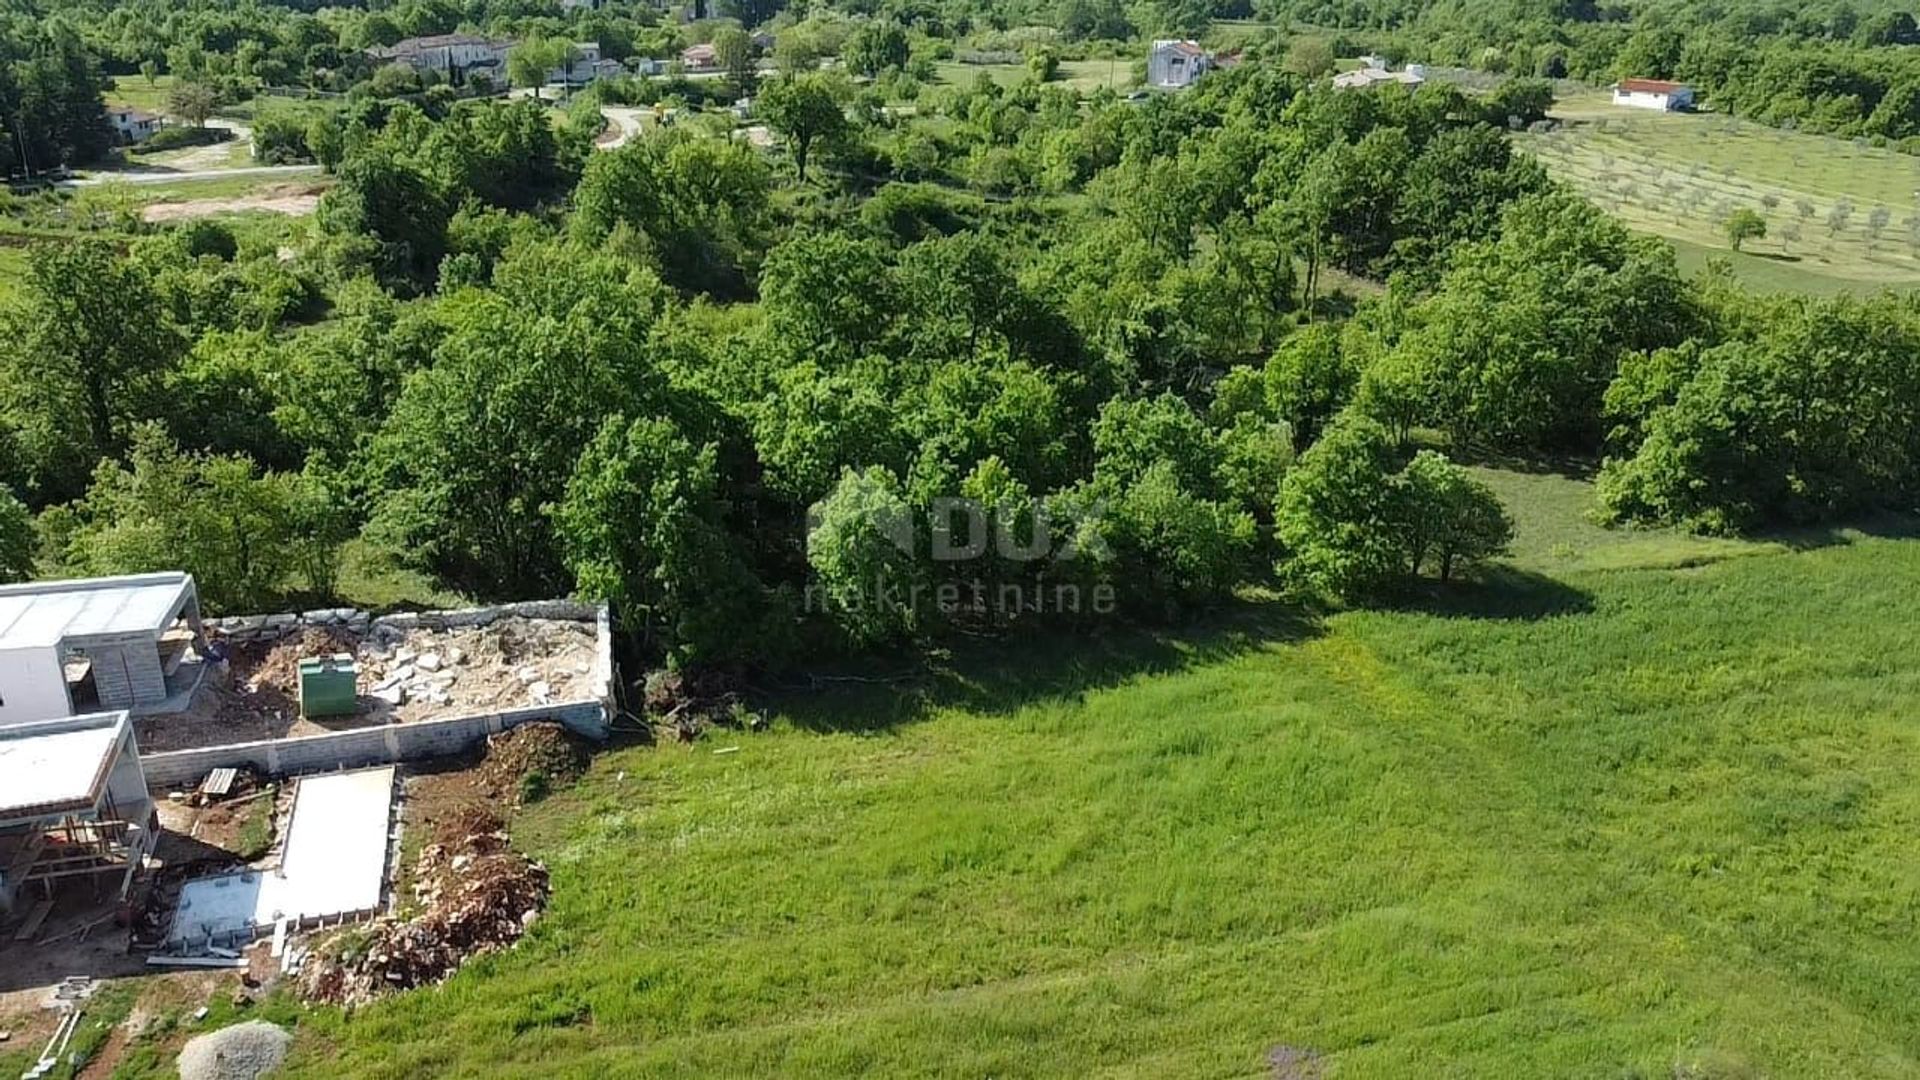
<point x="110" y="679"/>
<point x="148" y="679"/>
<point x="364" y="746"/>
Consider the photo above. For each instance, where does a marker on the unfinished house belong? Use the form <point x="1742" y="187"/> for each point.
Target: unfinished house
<point x="73" y="805"/>
<point x="69" y="647"/>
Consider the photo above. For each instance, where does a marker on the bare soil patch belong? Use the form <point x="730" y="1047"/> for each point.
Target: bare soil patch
<point x="293" y="200"/>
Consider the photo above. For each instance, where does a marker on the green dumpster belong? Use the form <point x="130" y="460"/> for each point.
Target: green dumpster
<point x="328" y="685"/>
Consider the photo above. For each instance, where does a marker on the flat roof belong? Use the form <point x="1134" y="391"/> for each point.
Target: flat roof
<point x="57" y="765"/>
<point x="40" y="613"/>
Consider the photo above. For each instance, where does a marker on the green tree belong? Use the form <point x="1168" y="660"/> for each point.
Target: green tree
<point x="1308" y="382"/>
<point x="860" y="548"/>
<point x="1337" y="516"/>
<point x="806" y="110"/>
<point x="326" y="141"/>
<point x="642" y="526"/>
<point x="192" y="102"/>
<point x="394" y="214"/>
<point x="1309" y="57"/>
<point x="17" y="540"/>
<point x="703" y="206"/>
<point x="1449" y="517"/>
<point x="217" y="517"/>
<point x="1312" y="206"/>
<point x="877" y="45"/>
<point x="1745" y="224"/>
<point x="484" y="438"/>
<point x="1519" y="102"/>
<point x="1043" y="64"/>
<point x="530" y="62"/>
<point x="83" y="360"/>
<point x="828" y="296"/>
<point x="734" y="50"/>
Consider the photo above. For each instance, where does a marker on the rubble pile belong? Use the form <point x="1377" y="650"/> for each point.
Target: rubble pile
<point x="277" y="666"/>
<point x="475" y="896"/>
<point x="550" y="751"/>
<point x="510" y="661"/>
<point x="684" y="708"/>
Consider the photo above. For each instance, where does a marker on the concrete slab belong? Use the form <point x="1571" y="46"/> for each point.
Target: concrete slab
<point x="41" y="767"/>
<point x="334" y="864"/>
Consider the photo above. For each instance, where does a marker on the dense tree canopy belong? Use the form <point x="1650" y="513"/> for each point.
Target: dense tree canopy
<point x="1017" y="356"/>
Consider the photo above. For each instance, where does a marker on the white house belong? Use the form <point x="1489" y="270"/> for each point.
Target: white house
<point x="1172" y="65"/>
<point x="1657" y="94"/>
<point x="453" y="55"/>
<point x="70" y="647"/>
<point x="132" y="125"/>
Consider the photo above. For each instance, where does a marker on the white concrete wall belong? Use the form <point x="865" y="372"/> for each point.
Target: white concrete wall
<point x="1640" y="99"/>
<point x="32" y="686"/>
<point x="367" y="746"/>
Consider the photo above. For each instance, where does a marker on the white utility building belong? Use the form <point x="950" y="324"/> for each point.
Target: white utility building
<point x="73" y="804"/>
<point x="1656" y="94"/>
<point x="67" y="647"/>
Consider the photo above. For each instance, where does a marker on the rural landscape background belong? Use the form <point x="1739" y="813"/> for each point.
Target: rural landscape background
<point x="1479" y="515"/>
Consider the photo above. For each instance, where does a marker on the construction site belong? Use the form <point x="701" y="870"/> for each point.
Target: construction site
<point x="312" y="801"/>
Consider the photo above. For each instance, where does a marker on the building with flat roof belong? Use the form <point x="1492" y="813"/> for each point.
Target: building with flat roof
<point x="73" y="803"/>
<point x="1657" y="94"/>
<point x="67" y="647"/>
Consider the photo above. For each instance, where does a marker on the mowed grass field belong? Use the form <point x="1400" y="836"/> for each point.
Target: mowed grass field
<point x="1840" y="216"/>
<point x="1645" y="806"/>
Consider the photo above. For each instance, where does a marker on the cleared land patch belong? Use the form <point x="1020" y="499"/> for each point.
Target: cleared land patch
<point x="1840" y="215"/>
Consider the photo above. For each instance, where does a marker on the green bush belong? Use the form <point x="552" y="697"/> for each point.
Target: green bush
<point x="175" y="138"/>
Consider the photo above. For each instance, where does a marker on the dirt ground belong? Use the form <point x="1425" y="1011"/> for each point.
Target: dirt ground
<point x="442" y="799"/>
<point x="241" y="828"/>
<point x="84" y="935"/>
<point x="403" y="678"/>
<point x="293" y="200"/>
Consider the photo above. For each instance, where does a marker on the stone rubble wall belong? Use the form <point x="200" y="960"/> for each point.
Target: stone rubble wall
<point x="258" y="628"/>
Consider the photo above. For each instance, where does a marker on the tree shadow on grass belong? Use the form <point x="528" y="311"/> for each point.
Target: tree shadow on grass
<point x="1574" y="466"/>
<point x="1001" y="675"/>
<point x="1501" y="592"/>
<point x="1887" y="526"/>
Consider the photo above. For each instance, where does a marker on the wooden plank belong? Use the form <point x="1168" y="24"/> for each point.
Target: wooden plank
<point x="219" y="781"/>
<point x="34" y="918"/>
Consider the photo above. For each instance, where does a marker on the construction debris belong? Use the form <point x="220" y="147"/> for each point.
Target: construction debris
<point x="475" y="897"/>
<point x="56" y="1045"/>
<point x="240" y="1052"/>
<point x="403" y="675"/>
<point x="684" y="707"/>
<point x="532" y="757"/>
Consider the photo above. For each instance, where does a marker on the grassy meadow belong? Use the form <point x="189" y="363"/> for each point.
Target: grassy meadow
<point x="1642" y="805"/>
<point x="1840" y="216"/>
<point x="1084" y="76"/>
